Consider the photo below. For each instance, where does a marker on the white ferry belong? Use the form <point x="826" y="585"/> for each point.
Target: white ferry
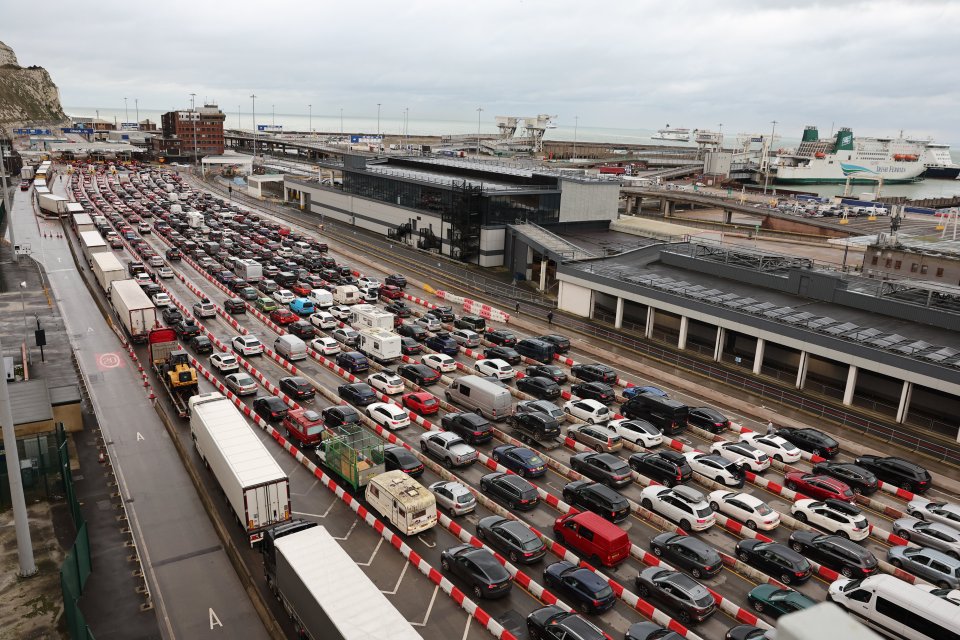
<point x="672" y="133"/>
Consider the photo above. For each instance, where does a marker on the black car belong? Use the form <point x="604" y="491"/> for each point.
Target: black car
<point x="512" y="538"/>
<point x="297" y="388"/>
<point x="443" y="313"/>
<point x="553" y="623"/>
<point x="602" y="467"/>
<point x="687" y="552"/>
<point x="669" y="468"/>
<point x="358" y="393"/>
<point x="472" y="427"/>
<point x="856" y="477"/>
<point x="650" y="631"/>
<point x="897" y="471"/>
<point x="401" y="310"/>
<point x="501" y="337"/>
<point x="707" y="418"/>
<point x="201" y="344"/>
<point x="479" y="568"/>
<point x="234" y="306"/>
<point x="396" y="280"/>
<point x="441" y="342"/>
<point x="746" y="632"/>
<point x="340" y="415"/>
<point x="302" y="329"/>
<point x="353" y="361"/>
<point x="474" y="323"/>
<point x="561" y="344"/>
<point x="587" y="591"/>
<point x="270" y="408"/>
<point x="774" y="559"/>
<point x="503" y="353"/>
<point x="171" y="316"/>
<point x="186" y="329"/>
<point x="418" y="373"/>
<point x="400" y="458"/>
<point x="594" y="373"/>
<point x="599" y="391"/>
<point x="410" y="347"/>
<point x="812" y="440"/>
<point x="835" y="552"/>
<point x="537" y="425"/>
<point x="512" y="489"/>
<point x="539" y="387"/>
<point x="551" y="371"/>
<point x="598" y="498"/>
<point x="692" y="601"/>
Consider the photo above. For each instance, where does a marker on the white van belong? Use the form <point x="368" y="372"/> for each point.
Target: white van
<point x="487" y="398"/>
<point x="403" y="501"/>
<point x="346" y="294"/>
<point x="290" y="347"/>
<point x="322" y="299"/>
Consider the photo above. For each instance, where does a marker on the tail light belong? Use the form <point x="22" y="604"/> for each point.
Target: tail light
<point x="800" y="574"/>
<point x="708" y="568"/>
<point x="701" y="520"/>
<point x="597" y="603"/>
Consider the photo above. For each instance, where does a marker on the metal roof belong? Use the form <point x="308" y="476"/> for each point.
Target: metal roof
<point x="30" y="401"/>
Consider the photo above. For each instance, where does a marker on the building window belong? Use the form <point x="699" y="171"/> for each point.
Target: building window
<point x="874" y="260"/>
<point x="897" y="265"/>
<point x="939" y="272"/>
<point x="914" y="267"/>
<point x="889" y="262"/>
<point x="923" y="269"/>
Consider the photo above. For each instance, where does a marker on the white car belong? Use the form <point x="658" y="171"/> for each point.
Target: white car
<point x="833" y="516"/>
<point x="466" y="338"/>
<point x="386" y="382"/>
<point x="224" y="362"/>
<point x="590" y="411"/>
<point x="165" y="272"/>
<point x="774" y="446"/>
<point x="388" y="415"/>
<point x="639" y="432"/>
<point x="745" y="508"/>
<point x="429" y="323"/>
<point x="142" y="279"/>
<point x="161" y="299"/>
<point x="284" y="296"/>
<point x="366" y="282"/>
<point x="454" y="497"/>
<point x="495" y="367"/>
<point x="752" y="457"/>
<point x="323" y="320"/>
<point x="341" y="312"/>
<point x="716" y="467"/>
<point x="682" y="504"/>
<point x="247" y="345"/>
<point x="241" y="384"/>
<point x="325" y="346"/>
<point x="439" y="362"/>
<point x="155" y="261"/>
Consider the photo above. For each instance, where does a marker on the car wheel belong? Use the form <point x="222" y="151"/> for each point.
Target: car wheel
<point x="856" y="490"/>
<point x="751" y="525"/>
<point x="786" y="578"/>
<point x="758" y="606"/>
<point x="598" y="449"/>
<point x="646" y="504"/>
<point x="904" y="534"/>
<point x="778" y="457"/>
<point x="448" y="463"/>
<point x="644" y="591"/>
<point x="843" y="534"/>
<point x="657" y="551"/>
<point x="847" y="572"/>
<point x="897" y="563"/>
<point x="943" y="585"/>
<point x="445" y="564"/>
<point x="696" y="573"/>
<point x="801" y="516"/>
<point x="792" y="485"/>
<point x="513" y="557"/>
<point x="484" y="486"/>
<point x="715" y="506"/>
<point x="481" y="534"/>
<point x="685" y="525"/>
<point x="907" y="486"/>
<point x="796" y="546"/>
<point x="742" y="555"/>
<point x="817" y="452"/>
<point x="496" y="457"/>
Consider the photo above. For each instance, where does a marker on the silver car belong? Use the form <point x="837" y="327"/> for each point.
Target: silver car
<point x="454" y="497"/>
<point x="541" y="406"/>
<point x="929" y="534"/>
<point x="939" y="568"/>
<point x="946" y="512"/>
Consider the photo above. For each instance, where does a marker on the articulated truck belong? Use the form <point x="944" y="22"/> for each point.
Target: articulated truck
<point x="107" y="269"/>
<point x="134" y="308"/>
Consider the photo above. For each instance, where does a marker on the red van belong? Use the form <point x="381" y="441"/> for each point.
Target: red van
<point x="596" y="539"/>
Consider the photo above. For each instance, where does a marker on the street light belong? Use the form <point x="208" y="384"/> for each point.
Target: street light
<point x="310" y="106"/>
<point x="126" y="111"/>
<point x="341" y="121"/>
<point x="253" y="102"/>
<point x="479" y="111"/>
<point x="136" y="105"/>
<point x="576" y="123"/>
<point x="378" y="128"/>
<point x="23" y="310"/>
<point x="194" y="117"/>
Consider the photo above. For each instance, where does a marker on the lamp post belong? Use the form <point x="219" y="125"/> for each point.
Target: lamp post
<point x="136" y="106"/>
<point x="195" y="118"/>
<point x="341" y="121"/>
<point x="479" y="111"/>
<point x="23" y="311"/>
<point x="766" y="175"/>
<point x="721" y="135"/>
<point x="378" y="120"/>
<point x="5" y="199"/>
<point x="126" y="111"/>
<point x="253" y="107"/>
<point x="273" y="115"/>
<point x="576" y="124"/>
<point x="310" y="106"/>
<point x="406" y="126"/>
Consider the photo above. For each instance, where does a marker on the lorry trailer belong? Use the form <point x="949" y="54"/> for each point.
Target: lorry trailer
<point x="134" y="309"/>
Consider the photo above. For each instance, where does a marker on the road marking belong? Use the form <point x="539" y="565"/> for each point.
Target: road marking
<point x="429" y="545"/>
<point x="305" y="513"/>
<point x="466" y="629"/>
<point x="214" y="620"/>
<point x="140" y="437"/>
<point x="372" y="555"/>
<point x="429" y="609"/>
<point x="108" y="360"/>
<point x="308" y="490"/>
<point x="352" y="527"/>
<point x="396" y="587"/>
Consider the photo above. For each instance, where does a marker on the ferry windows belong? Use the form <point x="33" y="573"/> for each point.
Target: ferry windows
<point x="875" y="260"/>
<point x="914" y="267"/>
<point x="923" y="269"/>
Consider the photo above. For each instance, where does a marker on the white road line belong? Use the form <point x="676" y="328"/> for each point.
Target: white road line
<point x="372" y="555"/>
<point x="312" y="515"/>
<point x="429" y="608"/>
<point x="396" y="587"/>
<point x="330" y="508"/>
<point x="352" y="527"/>
<point x="466" y="629"/>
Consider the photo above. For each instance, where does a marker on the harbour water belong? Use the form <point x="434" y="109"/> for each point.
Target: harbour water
<point x="393" y="124"/>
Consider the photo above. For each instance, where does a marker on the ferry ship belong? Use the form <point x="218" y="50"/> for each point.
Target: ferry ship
<point x="937" y="160"/>
<point x="672" y="133"/>
<point x="862" y="160"/>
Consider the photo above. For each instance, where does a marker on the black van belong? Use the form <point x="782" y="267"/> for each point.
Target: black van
<point x="285" y="279"/>
<point x="539" y="350"/>
<point x="670" y="416"/>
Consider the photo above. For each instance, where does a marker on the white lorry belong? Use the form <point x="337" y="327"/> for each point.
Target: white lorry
<point x="367" y="316"/>
<point x="107" y="268"/>
<point x="256" y="487"/>
<point x="92" y="243"/>
<point x="381" y="345"/>
<point x="134" y="308"/>
<point x="51" y="203"/>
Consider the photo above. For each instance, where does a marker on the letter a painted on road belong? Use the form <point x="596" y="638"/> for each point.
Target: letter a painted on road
<point x="214" y="620"/>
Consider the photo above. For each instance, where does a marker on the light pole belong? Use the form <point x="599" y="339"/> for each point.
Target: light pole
<point x="273" y="115"/>
<point x="126" y="111"/>
<point x="341" y="121"/>
<point x="195" y="118"/>
<point x="253" y="107"/>
<point x="479" y="111"/>
<point x="406" y="126"/>
<point x="5" y="199"/>
<point x="136" y="106"/>
<point x="766" y="175"/>
<point x="310" y="106"/>
<point x="378" y="125"/>
<point x="576" y="124"/>
<point x="23" y="310"/>
<point x="721" y="135"/>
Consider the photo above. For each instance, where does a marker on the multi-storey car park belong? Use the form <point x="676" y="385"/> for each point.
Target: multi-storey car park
<point x="313" y="503"/>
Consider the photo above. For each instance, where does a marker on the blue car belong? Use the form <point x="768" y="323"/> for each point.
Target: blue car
<point x="303" y="307"/>
<point x="442" y="343"/>
<point x="629" y="392"/>
<point x="587" y="591"/>
<point x="520" y="460"/>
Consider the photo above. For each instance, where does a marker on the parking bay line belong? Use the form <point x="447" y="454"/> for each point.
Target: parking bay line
<point x="429" y="608"/>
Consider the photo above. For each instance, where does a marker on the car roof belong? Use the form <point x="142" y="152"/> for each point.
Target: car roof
<point x="688" y="493"/>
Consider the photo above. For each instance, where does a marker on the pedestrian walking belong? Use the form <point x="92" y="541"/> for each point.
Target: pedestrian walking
<point x="517" y="309"/>
<point x="771" y="430"/>
<point x="549" y="317"/>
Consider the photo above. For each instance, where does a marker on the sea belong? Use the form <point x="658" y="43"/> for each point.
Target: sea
<point x="395" y="125"/>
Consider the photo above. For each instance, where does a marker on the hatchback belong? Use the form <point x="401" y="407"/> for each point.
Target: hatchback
<point x="270" y="408"/>
<point x="774" y="559"/>
<point x="590" y="411"/>
<point x="454" y="497"/>
<point x="692" y="601"/>
<point x="512" y="538"/>
<point x="587" y="591"/>
<point x="241" y="384"/>
<point x="297" y="388"/>
<point x="512" y="489"/>
<point x="247" y="345"/>
<point x="687" y="552"/>
<point x="478" y="568"/>
<point x="836" y="552"/>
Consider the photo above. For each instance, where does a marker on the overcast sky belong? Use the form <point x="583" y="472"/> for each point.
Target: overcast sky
<point x="875" y="66"/>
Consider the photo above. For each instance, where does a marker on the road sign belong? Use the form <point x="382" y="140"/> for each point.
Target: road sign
<point x="82" y="130"/>
<point x="269" y="127"/>
<point x="108" y="361"/>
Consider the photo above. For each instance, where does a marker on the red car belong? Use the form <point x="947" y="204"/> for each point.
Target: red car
<point x="300" y="290"/>
<point x="422" y="402"/>
<point x="818" y="486"/>
<point x="283" y="316"/>
<point x="391" y="292"/>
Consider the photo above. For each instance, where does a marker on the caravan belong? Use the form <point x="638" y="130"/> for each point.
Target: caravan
<point x="379" y="344"/>
<point x="403" y="501"/>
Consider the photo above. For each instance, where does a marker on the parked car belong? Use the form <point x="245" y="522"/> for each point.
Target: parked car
<point x="669" y="468"/>
<point x="439" y="362"/>
<point x="240" y="383"/>
<point x="745" y="508"/>
<point x="466" y="338"/>
<point x="774" y="559"/>
<point x="472" y="427"/>
<point x="512" y="489"/>
<point x="681" y="504"/>
<point x="539" y="387"/>
<point x="486" y="577"/>
<point x="247" y="345"/>
<point x="599" y="391"/>
<point x="690" y="600"/>
<point x="520" y="460"/>
<point x="326" y="346"/>
<point x="283" y="316"/>
<point x="811" y="440"/>
<point x="554" y="623"/>
<point x="399" y="458"/>
<point x="297" y="387"/>
<point x="742" y="453"/>
<point x="708" y="418"/>
<point x="323" y="320"/>
<point x="454" y="497"/>
<point x="388" y="415"/>
<point x="512" y="538"/>
<point x="833" y="516"/>
<point x="224" y="362"/>
<point x="385" y="381"/>
<point x="856" y="477"/>
<point x="935" y="535"/>
<point x="498" y="368"/>
<point x="594" y="373"/>
<point x="441" y="342"/>
<point x="590" y="411"/>
<point x="201" y="344"/>
<point x="540" y="406"/>
<point x="501" y="337"/>
<point x="929" y="564"/>
<point x="598" y="498"/>
<point x="551" y="371"/>
<point x="818" y="486"/>
<point x="561" y="344"/>
<point x="596" y="437"/>
<point x="270" y="408"/>
<point x="774" y="446"/>
<point x="835" y="552"/>
<point x="357" y="393"/>
<point x="945" y="512"/>
<point x="419" y="374"/>
<point x="345" y="335"/>
<point x="410" y="347"/>
<point x="603" y="467"/>
<point x="448" y="448"/>
<point x="775" y="602"/>
<point x="421" y="402"/>
<point x="688" y="553"/>
<point x="353" y="362"/>
<point x="897" y="471"/>
<point x="585" y="590"/>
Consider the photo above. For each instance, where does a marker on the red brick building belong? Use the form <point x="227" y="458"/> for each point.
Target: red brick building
<point x="191" y="132"/>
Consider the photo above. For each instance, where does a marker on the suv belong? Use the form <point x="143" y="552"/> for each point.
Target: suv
<point x="667" y="467"/>
<point x="598" y="498"/>
<point x="903" y="473"/>
<point x="474" y="323"/>
<point x="472" y="427"/>
<point x="692" y="601"/>
<point x="594" y="373"/>
<point x="234" y="306"/>
<point x="681" y="504"/>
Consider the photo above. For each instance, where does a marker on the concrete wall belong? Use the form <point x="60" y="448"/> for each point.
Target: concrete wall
<point x="492" y="246"/>
<point x="575" y="299"/>
<point x="588" y="200"/>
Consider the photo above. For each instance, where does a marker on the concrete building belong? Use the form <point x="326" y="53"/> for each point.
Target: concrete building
<point x="843" y="339"/>
<point x="460" y="208"/>
<point x="191" y="132"/>
<point x="933" y="262"/>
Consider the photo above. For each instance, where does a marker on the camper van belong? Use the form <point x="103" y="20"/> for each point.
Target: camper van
<point x="380" y="344"/>
<point x="487" y="398"/>
<point x="406" y="503"/>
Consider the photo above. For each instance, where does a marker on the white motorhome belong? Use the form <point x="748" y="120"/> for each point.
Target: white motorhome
<point x="379" y="344"/>
<point x="370" y="317"/>
<point x="406" y="503"/>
